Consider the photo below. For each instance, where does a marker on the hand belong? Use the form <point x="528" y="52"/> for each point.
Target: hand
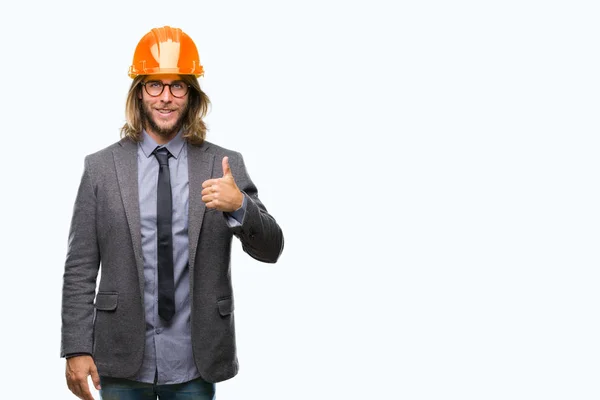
<point x="77" y="370"/>
<point x="222" y="193"/>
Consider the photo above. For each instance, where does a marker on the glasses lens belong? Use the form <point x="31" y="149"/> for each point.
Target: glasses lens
<point x="179" y="88"/>
<point x="154" y="88"/>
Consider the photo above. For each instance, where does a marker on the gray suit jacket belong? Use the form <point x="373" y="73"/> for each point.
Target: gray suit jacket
<point x="105" y="230"/>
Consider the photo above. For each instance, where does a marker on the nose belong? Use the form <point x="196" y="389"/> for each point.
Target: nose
<point x="166" y="95"/>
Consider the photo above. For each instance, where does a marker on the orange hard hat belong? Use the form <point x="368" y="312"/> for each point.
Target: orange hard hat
<point x="166" y="50"/>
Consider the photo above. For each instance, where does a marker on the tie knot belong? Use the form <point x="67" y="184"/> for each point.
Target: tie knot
<point x="162" y="155"/>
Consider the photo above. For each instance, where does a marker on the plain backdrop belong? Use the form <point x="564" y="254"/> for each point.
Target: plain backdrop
<point x="433" y="165"/>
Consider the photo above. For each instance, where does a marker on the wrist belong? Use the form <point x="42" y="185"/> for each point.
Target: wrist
<point x="240" y="201"/>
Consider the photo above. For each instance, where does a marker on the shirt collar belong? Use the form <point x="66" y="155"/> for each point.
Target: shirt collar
<point x="174" y="146"/>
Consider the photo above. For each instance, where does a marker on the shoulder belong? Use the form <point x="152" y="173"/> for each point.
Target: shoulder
<point x="106" y="154"/>
<point x="217" y="150"/>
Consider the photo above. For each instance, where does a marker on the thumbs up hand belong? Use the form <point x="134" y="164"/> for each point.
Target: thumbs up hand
<point x="222" y="193"/>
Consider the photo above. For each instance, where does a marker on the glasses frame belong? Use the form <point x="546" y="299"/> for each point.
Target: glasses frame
<point x="163" y="88"/>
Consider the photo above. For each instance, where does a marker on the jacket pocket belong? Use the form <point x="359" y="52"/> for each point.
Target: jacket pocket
<point x="106" y="301"/>
<point x="225" y="305"/>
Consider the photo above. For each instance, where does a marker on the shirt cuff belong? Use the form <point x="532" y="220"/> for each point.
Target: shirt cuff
<point x="236" y="217"/>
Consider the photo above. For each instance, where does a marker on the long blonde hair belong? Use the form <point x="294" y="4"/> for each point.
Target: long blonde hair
<point x="194" y="128"/>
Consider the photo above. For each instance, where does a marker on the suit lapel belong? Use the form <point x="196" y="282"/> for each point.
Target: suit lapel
<point x="126" y="166"/>
<point x="200" y="166"/>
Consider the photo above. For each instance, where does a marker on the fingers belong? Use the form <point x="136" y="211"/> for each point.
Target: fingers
<point x="95" y="378"/>
<point x="210" y="182"/>
<point x="226" y="169"/>
<point x="81" y="389"/>
<point x="84" y="391"/>
<point x="226" y="174"/>
<point x="211" y="204"/>
<point x="209" y="190"/>
<point x="209" y="198"/>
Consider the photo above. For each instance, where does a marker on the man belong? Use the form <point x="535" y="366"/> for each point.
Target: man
<point x="158" y="210"/>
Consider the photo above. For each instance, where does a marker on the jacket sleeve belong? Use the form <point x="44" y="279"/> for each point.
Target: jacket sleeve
<point x="259" y="233"/>
<point x="80" y="271"/>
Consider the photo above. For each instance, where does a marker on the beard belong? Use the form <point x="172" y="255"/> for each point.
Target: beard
<point x="166" y="132"/>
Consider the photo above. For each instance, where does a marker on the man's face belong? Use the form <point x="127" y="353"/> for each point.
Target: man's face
<point x="163" y="114"/>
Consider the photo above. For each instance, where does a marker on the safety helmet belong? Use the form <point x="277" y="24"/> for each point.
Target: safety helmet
<point x="166" y="50"/>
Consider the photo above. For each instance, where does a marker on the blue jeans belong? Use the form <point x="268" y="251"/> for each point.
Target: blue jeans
<point x="123" y="389"/>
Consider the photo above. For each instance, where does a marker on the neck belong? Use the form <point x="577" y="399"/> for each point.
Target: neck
<point x="160" y="139"/>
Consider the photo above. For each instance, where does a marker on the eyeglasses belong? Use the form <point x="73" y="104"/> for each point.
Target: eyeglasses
<point x="155" y="88"/>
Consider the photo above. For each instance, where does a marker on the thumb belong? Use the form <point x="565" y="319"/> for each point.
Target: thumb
<point x="226" y="169"/>
<point x="95" y="378"/>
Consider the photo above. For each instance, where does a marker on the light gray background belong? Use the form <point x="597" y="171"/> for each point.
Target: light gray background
<point x="434" y="166"/>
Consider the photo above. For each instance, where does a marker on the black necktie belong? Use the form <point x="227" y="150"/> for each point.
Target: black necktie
<point x="164" y="210"/>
